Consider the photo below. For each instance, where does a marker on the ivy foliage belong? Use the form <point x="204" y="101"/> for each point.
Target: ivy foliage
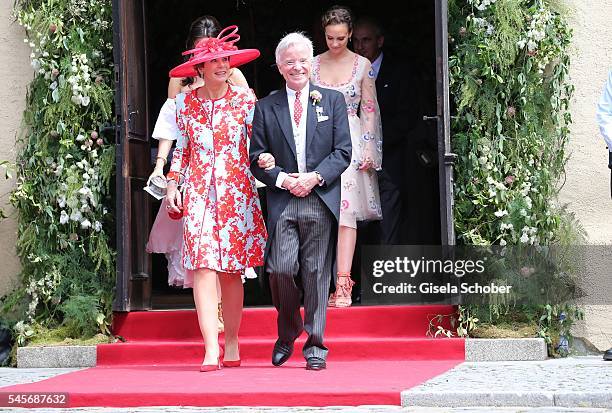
<point x="64" y="168"/>
<point x="509" y="71"/>
<point x="509" y="67"/>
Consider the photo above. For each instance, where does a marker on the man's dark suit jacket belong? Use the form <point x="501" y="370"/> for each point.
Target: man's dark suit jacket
<point x="398" y="100"/>
<point x="407" y="138"/>
<point x="328" y="148"/>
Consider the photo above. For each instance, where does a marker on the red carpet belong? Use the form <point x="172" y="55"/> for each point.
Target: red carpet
<point x="375" y="353"/>
<point x="343" y="383"/>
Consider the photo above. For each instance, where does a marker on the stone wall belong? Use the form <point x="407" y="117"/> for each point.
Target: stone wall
<point x="587" y="187"/>
<point x="15" y="74"/>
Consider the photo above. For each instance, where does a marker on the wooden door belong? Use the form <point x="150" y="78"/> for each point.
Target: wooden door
<point x="132" y="156"/>
<point x="446" y="158"/>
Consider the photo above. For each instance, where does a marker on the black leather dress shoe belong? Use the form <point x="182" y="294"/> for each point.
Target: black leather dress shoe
<point x="281" y="353"/>
<point x="315" y="363"/>
<point x="608" y="355"/>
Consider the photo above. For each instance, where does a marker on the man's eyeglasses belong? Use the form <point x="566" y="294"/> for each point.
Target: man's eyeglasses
<point x="294" y="63"/>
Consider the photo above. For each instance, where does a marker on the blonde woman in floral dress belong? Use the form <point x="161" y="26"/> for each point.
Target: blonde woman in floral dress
<point x="341" y="69"/>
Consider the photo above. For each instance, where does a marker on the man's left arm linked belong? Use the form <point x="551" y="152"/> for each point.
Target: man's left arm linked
<point x="259" y="145"/>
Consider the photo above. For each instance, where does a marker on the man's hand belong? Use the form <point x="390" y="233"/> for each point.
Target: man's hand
<point x="290" y="182"/>
<point x="303" y="183"/>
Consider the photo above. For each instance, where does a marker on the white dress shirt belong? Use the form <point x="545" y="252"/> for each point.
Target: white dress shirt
<point x="299" y="132"/>
<point x="604" y="112"/>
<point x="376" y="65"/>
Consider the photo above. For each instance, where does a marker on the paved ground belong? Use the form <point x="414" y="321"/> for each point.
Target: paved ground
<point x="579" y="374"/>
<point x="581" y="381"/>
<point x="9" y="376"/>
<point x="352" y="409"/>
<point x="570" y="382"/>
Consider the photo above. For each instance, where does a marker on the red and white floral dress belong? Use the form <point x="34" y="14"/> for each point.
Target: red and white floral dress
<point x="224" y="228"/>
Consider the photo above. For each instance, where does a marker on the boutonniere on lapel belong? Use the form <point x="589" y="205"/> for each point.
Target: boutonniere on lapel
<point x="316" y="97"/>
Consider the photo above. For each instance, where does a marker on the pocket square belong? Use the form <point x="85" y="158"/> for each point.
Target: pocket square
<point x="322" y="118"/>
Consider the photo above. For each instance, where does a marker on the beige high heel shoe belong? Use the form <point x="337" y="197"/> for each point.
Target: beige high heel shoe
<point x="344" y="288"/>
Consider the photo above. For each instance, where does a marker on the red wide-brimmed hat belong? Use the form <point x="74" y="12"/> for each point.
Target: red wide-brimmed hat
<point x="215" y="48"/>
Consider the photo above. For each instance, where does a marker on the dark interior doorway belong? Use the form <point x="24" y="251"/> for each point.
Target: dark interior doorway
<point x="409" y="35"/>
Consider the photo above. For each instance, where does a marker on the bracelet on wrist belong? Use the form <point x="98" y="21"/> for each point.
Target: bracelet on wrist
<point x="163" y="159"/>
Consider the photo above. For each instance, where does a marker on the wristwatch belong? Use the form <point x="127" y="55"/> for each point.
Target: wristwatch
<point x="320" y="178"/>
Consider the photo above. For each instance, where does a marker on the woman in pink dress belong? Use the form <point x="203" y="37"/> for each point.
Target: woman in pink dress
<point x="340" y="69"/>
<point x="223" y="226"/>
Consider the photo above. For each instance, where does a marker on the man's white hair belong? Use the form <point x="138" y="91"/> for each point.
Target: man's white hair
<point x="293" y="39"/>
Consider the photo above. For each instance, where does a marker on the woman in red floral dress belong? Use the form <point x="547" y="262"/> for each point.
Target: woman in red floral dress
<point x="224" y="230"/>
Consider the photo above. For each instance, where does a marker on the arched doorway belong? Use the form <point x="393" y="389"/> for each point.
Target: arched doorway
<point x="149" y="36"/>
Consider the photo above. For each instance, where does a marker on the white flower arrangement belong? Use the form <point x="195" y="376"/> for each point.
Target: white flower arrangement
<point x="72" y="68"/>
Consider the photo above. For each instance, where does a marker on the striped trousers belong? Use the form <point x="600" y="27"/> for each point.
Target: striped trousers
<point x="300" y="263"/>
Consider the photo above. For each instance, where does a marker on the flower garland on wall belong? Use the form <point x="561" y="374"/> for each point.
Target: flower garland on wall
<point x="509" y="68"/>
<point x="64" y="170"/>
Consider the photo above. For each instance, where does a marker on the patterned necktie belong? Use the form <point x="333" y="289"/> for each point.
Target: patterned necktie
<point x="297" y="108"/>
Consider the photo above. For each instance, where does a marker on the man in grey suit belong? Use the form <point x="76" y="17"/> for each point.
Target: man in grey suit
<point x="305" y="129"/>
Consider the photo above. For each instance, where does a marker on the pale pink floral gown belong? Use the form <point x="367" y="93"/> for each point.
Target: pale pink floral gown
<point x="360" y="198"/>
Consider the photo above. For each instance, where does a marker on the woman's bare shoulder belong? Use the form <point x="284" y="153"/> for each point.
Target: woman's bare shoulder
<point x="363" y="60"/>
<point x="237" y="78"/>
<point x="364" y="67"/>
<point x="321" y="56"/>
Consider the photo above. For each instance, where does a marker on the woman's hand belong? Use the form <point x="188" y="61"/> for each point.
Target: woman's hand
<point x="156" y="172"/>
<point x="173" y="195"/>
<point x="366" y="163"/>
<point x="266" y="161"/>
<point x="368" y="157"/>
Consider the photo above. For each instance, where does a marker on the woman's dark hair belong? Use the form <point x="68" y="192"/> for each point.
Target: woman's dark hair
<point x="204" y="26"/>
<point x="338" y="15"/>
